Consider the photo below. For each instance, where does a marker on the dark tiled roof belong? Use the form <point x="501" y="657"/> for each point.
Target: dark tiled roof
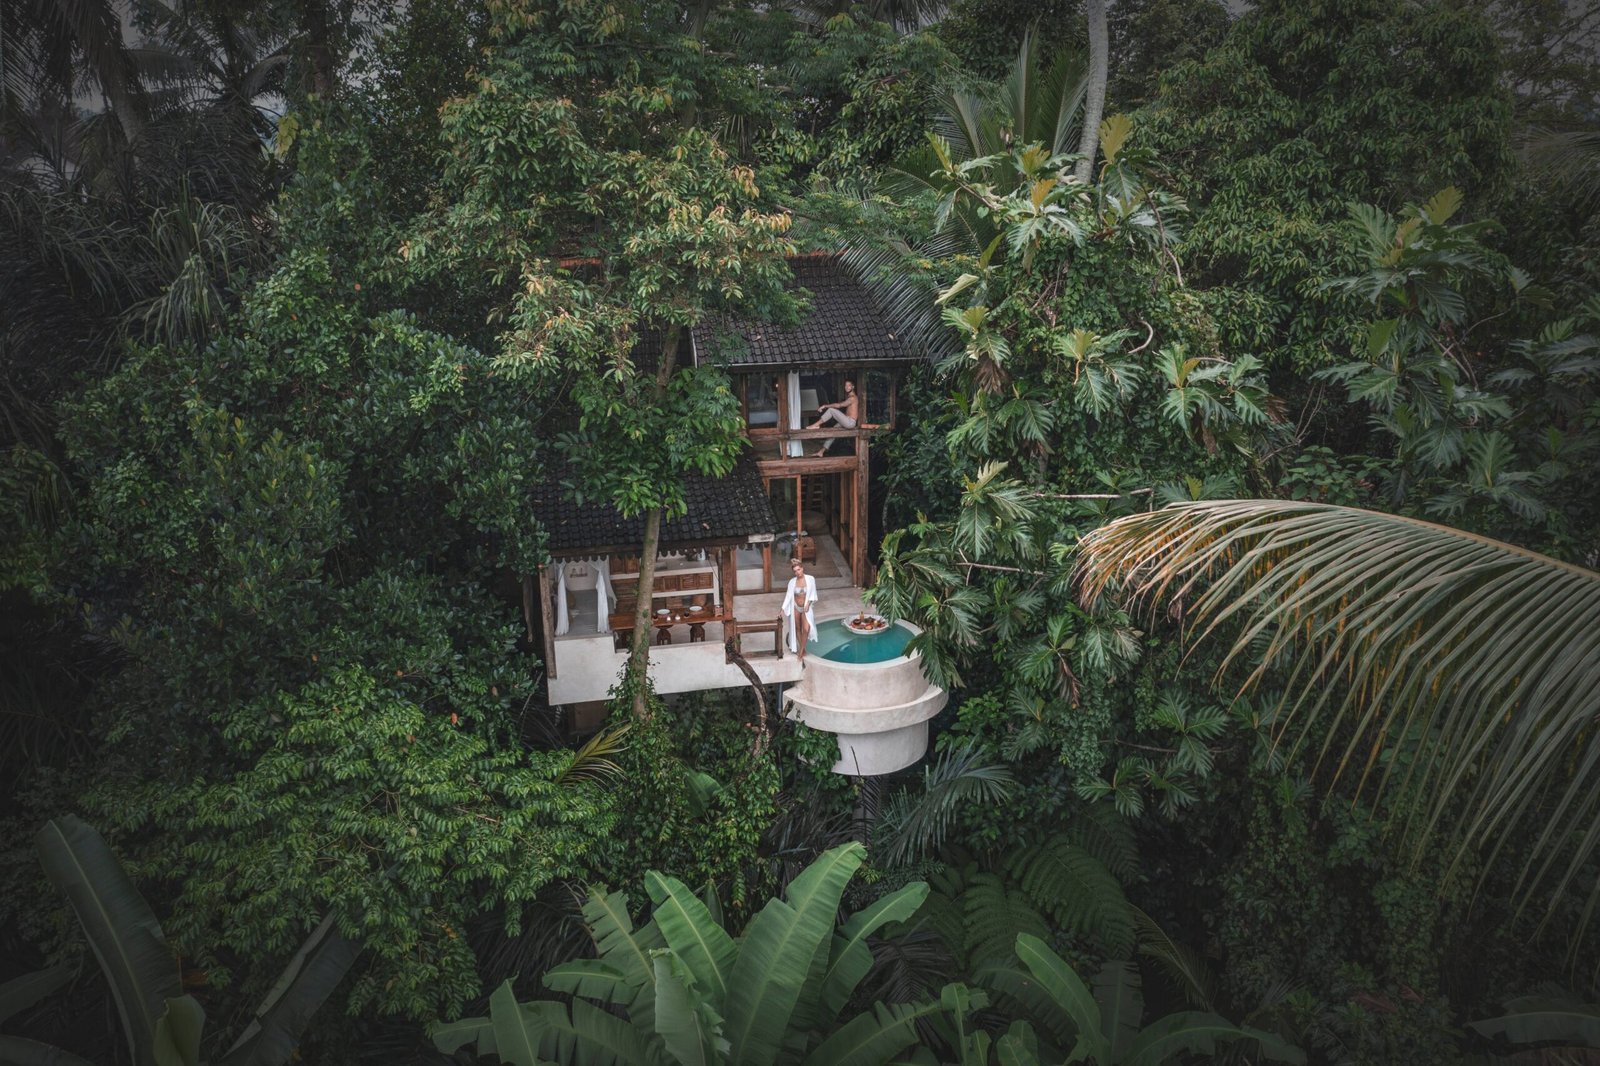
<point x="719" y="508"/>
<point x="844" y="325"/>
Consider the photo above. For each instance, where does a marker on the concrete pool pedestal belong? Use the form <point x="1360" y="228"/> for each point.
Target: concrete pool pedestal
<point x="878" y="710"/>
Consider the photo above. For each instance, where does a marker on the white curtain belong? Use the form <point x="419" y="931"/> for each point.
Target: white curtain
<point x="796" y="448"/>
<point x="605" y="599"/>
<point x="561" y="600"/>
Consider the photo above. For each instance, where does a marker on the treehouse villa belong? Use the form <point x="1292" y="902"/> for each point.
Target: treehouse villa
<point x="722" y="567"/>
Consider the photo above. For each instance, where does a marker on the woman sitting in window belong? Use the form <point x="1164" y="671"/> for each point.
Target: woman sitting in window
<point x="843" y="413"/>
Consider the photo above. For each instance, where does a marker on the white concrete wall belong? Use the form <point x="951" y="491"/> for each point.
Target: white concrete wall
<point x="879" y="711"/>
<point x="588" y="667"/>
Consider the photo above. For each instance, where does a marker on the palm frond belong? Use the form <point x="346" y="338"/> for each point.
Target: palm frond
<point x="917" y="822"/>
<point x="593" y="761"/>
<point x="1568" y="159"/>
<point x="1460" y="673"/>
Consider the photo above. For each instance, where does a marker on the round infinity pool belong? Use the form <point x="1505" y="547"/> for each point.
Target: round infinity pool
<point x="837" y="644"/>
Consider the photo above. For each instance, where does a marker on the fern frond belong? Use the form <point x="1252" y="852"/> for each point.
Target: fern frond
<point x="1076" y="890"/>
<point x="1098" y="829"/>
<point x="995" y="914"/>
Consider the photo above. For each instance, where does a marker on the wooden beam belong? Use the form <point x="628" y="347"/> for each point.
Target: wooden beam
<point x="773" y="468"/>
<point x="547" y="603"/>
<point x="766" y="566"/>
<point x="633" y="549"/>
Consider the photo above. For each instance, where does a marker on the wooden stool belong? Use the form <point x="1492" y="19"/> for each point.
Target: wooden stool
<point x="664" y="636"/>
<point x="697" y="631"/>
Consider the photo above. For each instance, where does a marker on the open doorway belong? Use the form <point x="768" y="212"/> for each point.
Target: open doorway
<point x="818" y="513"/>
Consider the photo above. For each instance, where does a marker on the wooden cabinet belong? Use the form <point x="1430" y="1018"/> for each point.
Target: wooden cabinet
<point x="678" y="582"/>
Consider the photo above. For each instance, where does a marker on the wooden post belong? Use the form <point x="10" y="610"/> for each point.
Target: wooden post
<point x="527" y="606"/>
<point x="727" y="575"/>
<point x="547" y="603"/>
<point x="766" y="566"/>
<point x="799" y="510"/>
<point x="783" y="417"/>
<point x="860" y="510"/>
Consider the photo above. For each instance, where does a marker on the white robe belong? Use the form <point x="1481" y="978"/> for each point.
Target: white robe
<point x="605" y="599"/>
<point x="563" y="623"/>
<point x="788" y="611"/>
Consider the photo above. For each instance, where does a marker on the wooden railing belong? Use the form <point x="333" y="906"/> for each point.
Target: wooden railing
<point x="733" y="632"/>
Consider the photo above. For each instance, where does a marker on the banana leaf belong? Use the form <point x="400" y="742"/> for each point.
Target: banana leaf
<point x="20" y="993"/>
<point x="305" y="984"/>
<point x="121" y="929"/>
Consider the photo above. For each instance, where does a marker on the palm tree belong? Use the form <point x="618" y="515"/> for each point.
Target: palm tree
<point x="1478" y="659"/>
<point x="1099" y="57"/>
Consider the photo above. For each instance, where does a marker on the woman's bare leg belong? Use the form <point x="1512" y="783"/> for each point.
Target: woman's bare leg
<point x="802" y="633"/>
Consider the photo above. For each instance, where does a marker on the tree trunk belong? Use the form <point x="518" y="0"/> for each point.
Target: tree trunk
<point x="318" y="32"/>
<point x="730" y="647"/>
<point x="1095" y="99"/>
<point x="639" y="652"/>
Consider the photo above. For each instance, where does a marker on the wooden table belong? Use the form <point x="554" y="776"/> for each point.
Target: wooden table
<point x="695" y="620"/>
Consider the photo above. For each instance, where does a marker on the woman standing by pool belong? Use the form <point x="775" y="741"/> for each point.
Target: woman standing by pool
<point x="799" y="602"/>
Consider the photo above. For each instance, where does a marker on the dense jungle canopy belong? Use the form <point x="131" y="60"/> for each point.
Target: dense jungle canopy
<point x="1247" y="501"/>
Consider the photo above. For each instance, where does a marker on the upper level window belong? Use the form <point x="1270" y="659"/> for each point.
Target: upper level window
<point x="761" y="401"/>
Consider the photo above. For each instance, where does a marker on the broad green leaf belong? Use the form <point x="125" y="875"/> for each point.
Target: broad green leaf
<point x="178" y="1032"/>
<point x="592" y="978"/>
<point x="1114" y="132"/>
<point x="851" y="959"/>
<point x="689" y="1027"/>
<point x="1068" y="991"/>
<point x="1443" y="205"/>
<point x="20" y="993"/>
<point x="870" y="1038"/>
<point x="516" y="1032"/>
<point x="121" y="929"/>
<point x="1018" y="1046"/>
<point x="777" y="953"/>
<point x="310" y="977"/>
<point x="1378" y="335"/>
<point x="1538" y="1019"/>
<point x="1198" y="1033"/>
<point x="449" y="1037"/>
<point x="20" y="1051"/>
<point x="625" y="950"/>
<point x="707" y="951"/>
<point x="590" y="1036"/>
<point x="1117" y="991"/>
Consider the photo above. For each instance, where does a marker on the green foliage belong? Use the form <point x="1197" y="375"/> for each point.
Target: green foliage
<point x="286" y="533"/>
<point x="1103" y="1026"/>
<point x="1416" y="375"/>
<point x="1066" y="885"/>
<point x="162" y="1024"/>
<point x="701" y="791"/>
<point x="1271" y="137"/>
<point x="691" y="993"/>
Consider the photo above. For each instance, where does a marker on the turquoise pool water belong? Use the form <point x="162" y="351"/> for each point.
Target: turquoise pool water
<point x="836" y="643"/>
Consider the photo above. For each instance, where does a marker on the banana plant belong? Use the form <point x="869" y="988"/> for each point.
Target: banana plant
<point x="163" y="1025"/>
<point x="680" y="991"/>
<point x="1102" y="1025"/>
